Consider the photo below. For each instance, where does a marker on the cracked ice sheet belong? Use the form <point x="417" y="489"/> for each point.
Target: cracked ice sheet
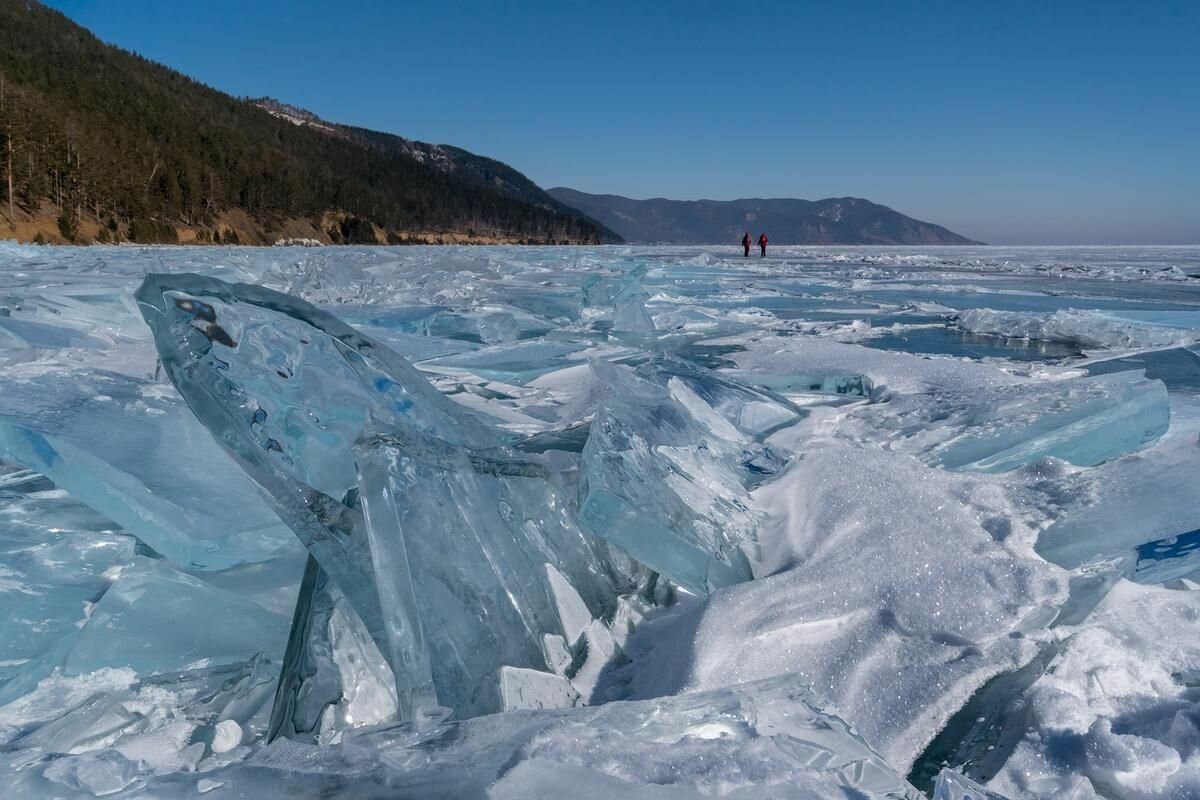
<point x="147" y="621"/>
<point x="1103" y="329"/>
<point x="109" y="731"/>
<point x="901" y="372"/>
<point x="896" y="599"/>
<point x="769" y="739"/>
<point x="973" y="416"/>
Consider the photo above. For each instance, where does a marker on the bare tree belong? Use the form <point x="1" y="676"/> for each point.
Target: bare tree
<point x="8" y="171"/>
<point x="8" y="168"/>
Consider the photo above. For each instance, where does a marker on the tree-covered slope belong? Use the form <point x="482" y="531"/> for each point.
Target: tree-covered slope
<point x="101" y="134"/>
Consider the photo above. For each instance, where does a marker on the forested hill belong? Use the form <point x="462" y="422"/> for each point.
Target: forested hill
<point x="100" y="143"/>
<point x="836" y="220"/>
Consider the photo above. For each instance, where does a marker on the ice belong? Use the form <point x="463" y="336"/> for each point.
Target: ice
<point x="68" y="319"/>
<point x="1120" y="700"/>
<point x="835" y="382"/>
<point x="511" y="534"/>
<point x="518" y="363"/>
<point x="772" y="738"/>
<point x="49" y="578"/>
<point x="1177" y="367"/>
<point x="779" y="359"/>
<point x="134" y="452"/>
<point x="109" y="729"/>
<point x="875" y="596"/>
<point x="1166" y="559"/>
<point x="27" y="333"/>
<point x="1131" y="504"/>
<point x="98" y="722"/>
<point x="529" y="688"/>
<point x="660" y="481"/>
<point x="637" y="515"/>
<point x="1104" y="329"/>
<point x="1085" y="421"/>
<point x="490" y="324"/>
<point x="629" y="305"/>
<point x="227" y="735"/>
<point x="333" y="676"/>
<point x="364" y="460"/>
<point x="971" y="417"/>
<point x="147" y="621"/>
<point x="754" y="413"/>
<point x="953" y="786"/>
<point x="100" y="774"/>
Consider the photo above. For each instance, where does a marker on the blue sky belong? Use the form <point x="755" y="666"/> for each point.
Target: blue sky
<point x="1013" y="122"/>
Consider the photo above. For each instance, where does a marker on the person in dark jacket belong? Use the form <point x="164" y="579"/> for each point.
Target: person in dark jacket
<point x="746" y="243"/>
<point x="762" y="243"/>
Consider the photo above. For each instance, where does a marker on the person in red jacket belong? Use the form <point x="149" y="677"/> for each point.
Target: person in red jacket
<point x="762" y="243"/>
<point x="746" y="243"/>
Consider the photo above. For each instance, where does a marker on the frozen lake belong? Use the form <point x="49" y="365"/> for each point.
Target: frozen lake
<point x="654" y="522"/>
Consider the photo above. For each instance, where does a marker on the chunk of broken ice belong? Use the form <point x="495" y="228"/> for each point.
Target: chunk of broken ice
<point x="953" y="786"/>
<point x="630" y="314"/>
<point x="514" y="363"/>
<point x="1129" y="504"/>
<point x="490" y="324"/>
<point x="1085" y="421"/>
<point x="133" y="452"/>
<point x="333" y="676"/>
<point x="464" y="542"/>
<point x="754" y="412"/>
<point x="290" y="391"/>
<point x="1088" y="328"/>
<point x="660" y="480"/>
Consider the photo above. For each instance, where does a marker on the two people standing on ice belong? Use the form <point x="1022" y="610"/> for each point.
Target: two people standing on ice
<point x="762" y="243"/>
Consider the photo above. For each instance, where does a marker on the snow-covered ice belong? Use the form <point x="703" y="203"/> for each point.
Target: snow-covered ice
<point x="616" y="521"/>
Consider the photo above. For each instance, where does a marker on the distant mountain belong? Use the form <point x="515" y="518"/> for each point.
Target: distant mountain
<point x="837" y="220"/>
<point x="97" y="143"/>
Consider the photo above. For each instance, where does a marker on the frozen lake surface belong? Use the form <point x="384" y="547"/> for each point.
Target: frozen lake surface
<point x="650" y="522"/>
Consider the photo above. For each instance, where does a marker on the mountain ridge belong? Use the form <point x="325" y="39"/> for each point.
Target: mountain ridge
<point x="833" y="220"/>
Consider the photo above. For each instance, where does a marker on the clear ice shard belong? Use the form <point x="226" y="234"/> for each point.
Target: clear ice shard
<point x="661" y="478"/>
<point x="514" y="363"/>
<point x="373" y="469"/>
<point x="953" y="786"/>
<point x="1084" y="421"/>
<point x="489" y="324"/>
<point x="629" y="304"/>
<point x="333" y="676"/>
<point x="770" y="738"/>
<point x="131" y="450"/>
<point x="755" y="413"/>
<point x="509" y="531"/>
